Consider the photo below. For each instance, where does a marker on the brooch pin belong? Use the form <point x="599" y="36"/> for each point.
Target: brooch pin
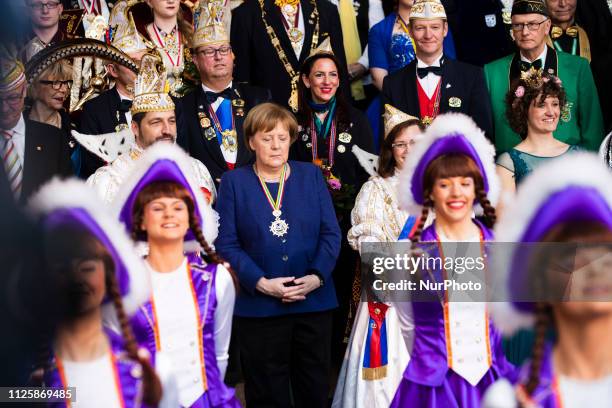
<point x="341" y="149"/>
<point x="239" y="105"/>
<point x="345" y="137"/>
<point x="304" y="137"/>
<point x="209" y="133"/>
<point x="204" y="121"/>
<point x="454" y="102"/>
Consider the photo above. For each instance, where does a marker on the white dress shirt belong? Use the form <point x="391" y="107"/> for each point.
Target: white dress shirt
<point x="128" y="114"/>
<point x="542" y="57"/>
<point x="228" y="155"/>
<point x="94" y="381"/>
<point x="177" y="320"/>
<point x="431" y="81"/>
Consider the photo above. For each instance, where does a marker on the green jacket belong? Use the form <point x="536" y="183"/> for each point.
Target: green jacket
<point x="584" y="127"/>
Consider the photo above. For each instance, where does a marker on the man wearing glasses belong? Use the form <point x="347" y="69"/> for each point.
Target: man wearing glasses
<point x="211" y="129"/>
<point x="44" y="17"/>
<point x="581" y="119"/>
<point x="31" y="152"/>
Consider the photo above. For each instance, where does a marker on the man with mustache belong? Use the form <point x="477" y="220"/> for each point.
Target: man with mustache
<point x="212" y="130"/>
<point x="153" y="120"/>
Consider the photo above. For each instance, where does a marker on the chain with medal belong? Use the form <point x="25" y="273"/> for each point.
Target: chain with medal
<point x="294" y="33"/>
<point x="278" y="227"/>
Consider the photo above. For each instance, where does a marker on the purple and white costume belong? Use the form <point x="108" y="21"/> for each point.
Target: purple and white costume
<point x="575" y="189"/>
<point x="456" y="352"/>
<point x="188" y="317"/>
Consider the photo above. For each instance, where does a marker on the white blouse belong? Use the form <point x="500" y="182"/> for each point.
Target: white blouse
<point x="179" y="331"/>
<point x="94" y="382"/>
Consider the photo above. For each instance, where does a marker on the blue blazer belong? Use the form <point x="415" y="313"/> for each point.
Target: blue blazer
<point x="245" y="241"/>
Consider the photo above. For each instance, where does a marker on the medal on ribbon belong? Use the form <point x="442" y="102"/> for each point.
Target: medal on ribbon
<point x="278" y="227"/>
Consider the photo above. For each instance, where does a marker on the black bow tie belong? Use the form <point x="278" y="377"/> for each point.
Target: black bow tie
<point x="423" y="72"/>
<point x="526" y="66"/>
<point x="211" y="97"/>
<point x="125" y="105"/>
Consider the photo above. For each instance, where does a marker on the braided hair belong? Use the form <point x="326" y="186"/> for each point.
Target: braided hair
<point x="160" y="189"/>
<point x="89" y="247"/>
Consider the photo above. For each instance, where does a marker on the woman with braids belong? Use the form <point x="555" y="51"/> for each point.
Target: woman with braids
<point x="99" y="276"/>
<point x="377" y="217"/>
<point x="534" y="105"/>
<point x="562" y="291"/>
<point x="189" y="314"/>
<point x="455" y="351"/>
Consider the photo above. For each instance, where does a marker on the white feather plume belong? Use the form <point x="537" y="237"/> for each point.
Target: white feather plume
<point x="172" y="152"/>
<point x="575" y="169"/>
<point x="72" y="193"/>
<point x="448" y="124"/>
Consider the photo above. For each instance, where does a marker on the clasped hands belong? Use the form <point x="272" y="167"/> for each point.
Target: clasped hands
<point x="288" y="289"/>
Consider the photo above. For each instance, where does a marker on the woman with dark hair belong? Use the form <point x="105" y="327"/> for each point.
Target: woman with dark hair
<point x="189" y="314"/>
<point x="95" y="263"/>
<point x="562" y="291"/>
<point x="279" y="231"/>
<point x="328" y="126"/>
<point x="534" y="105"/>
<point x="455" y="351"/>
<point x="376" y="217"/>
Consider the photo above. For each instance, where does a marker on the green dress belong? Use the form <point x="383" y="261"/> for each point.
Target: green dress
<point x="518" y="348"/>
<point x="582" y="125"/>
<point x="521" y="164"/>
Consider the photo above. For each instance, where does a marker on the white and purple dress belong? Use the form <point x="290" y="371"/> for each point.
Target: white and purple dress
<point x="188" y="319"/>
<point x="456" y="352"/>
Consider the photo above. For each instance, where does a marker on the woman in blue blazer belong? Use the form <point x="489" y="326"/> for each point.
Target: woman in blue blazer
<point x="278" y="230"/>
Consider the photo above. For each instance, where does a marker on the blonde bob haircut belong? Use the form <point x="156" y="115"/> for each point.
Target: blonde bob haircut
<point x="60" y="71"/>
<point x="264" y="117"/>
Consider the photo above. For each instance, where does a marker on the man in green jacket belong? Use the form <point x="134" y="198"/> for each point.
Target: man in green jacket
<point x="581" y="121"/>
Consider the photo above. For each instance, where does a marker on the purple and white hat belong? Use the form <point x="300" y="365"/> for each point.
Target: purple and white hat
<point x="574" y="188"/>
<point x="450" y="133"/>
<point x="166" y="162"/>
<point x="72" y="202"/>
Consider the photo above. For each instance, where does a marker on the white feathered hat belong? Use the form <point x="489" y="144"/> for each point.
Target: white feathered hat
<point x="450" y="133"/>
<point x="574" y="188"/>
<point x="165" y="162"/>
<point x="72" y="202"/>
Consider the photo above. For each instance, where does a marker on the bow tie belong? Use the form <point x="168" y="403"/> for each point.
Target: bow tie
<point x="211" y="97"/>
<point x="423" y="72"/>
<point x="526" y="66"/>
<point x="125" y="105"/>
<point x="557" y="32"/>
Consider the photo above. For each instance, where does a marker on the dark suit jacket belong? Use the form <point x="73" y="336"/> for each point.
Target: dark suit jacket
<point x="257" y="61"/>
<point x="346" y="166"/>
<point x="46" y="155"/>
<point x="100" y="115"/>
<point x="191" y="135"/>
<point x="312" y="241"/>
<point x="460" y="80"/>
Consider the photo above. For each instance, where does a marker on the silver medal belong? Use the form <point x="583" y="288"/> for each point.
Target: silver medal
<point x="279" y="227"/>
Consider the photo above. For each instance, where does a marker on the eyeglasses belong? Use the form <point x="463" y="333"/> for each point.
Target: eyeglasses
<point x="57" y="85"/>
<point x="518" y="27"/>
<point x="12" y="100"/>
<point x="402" y="145"/>
<point x="49" y="5"/>
<point x="209" y="52"/>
